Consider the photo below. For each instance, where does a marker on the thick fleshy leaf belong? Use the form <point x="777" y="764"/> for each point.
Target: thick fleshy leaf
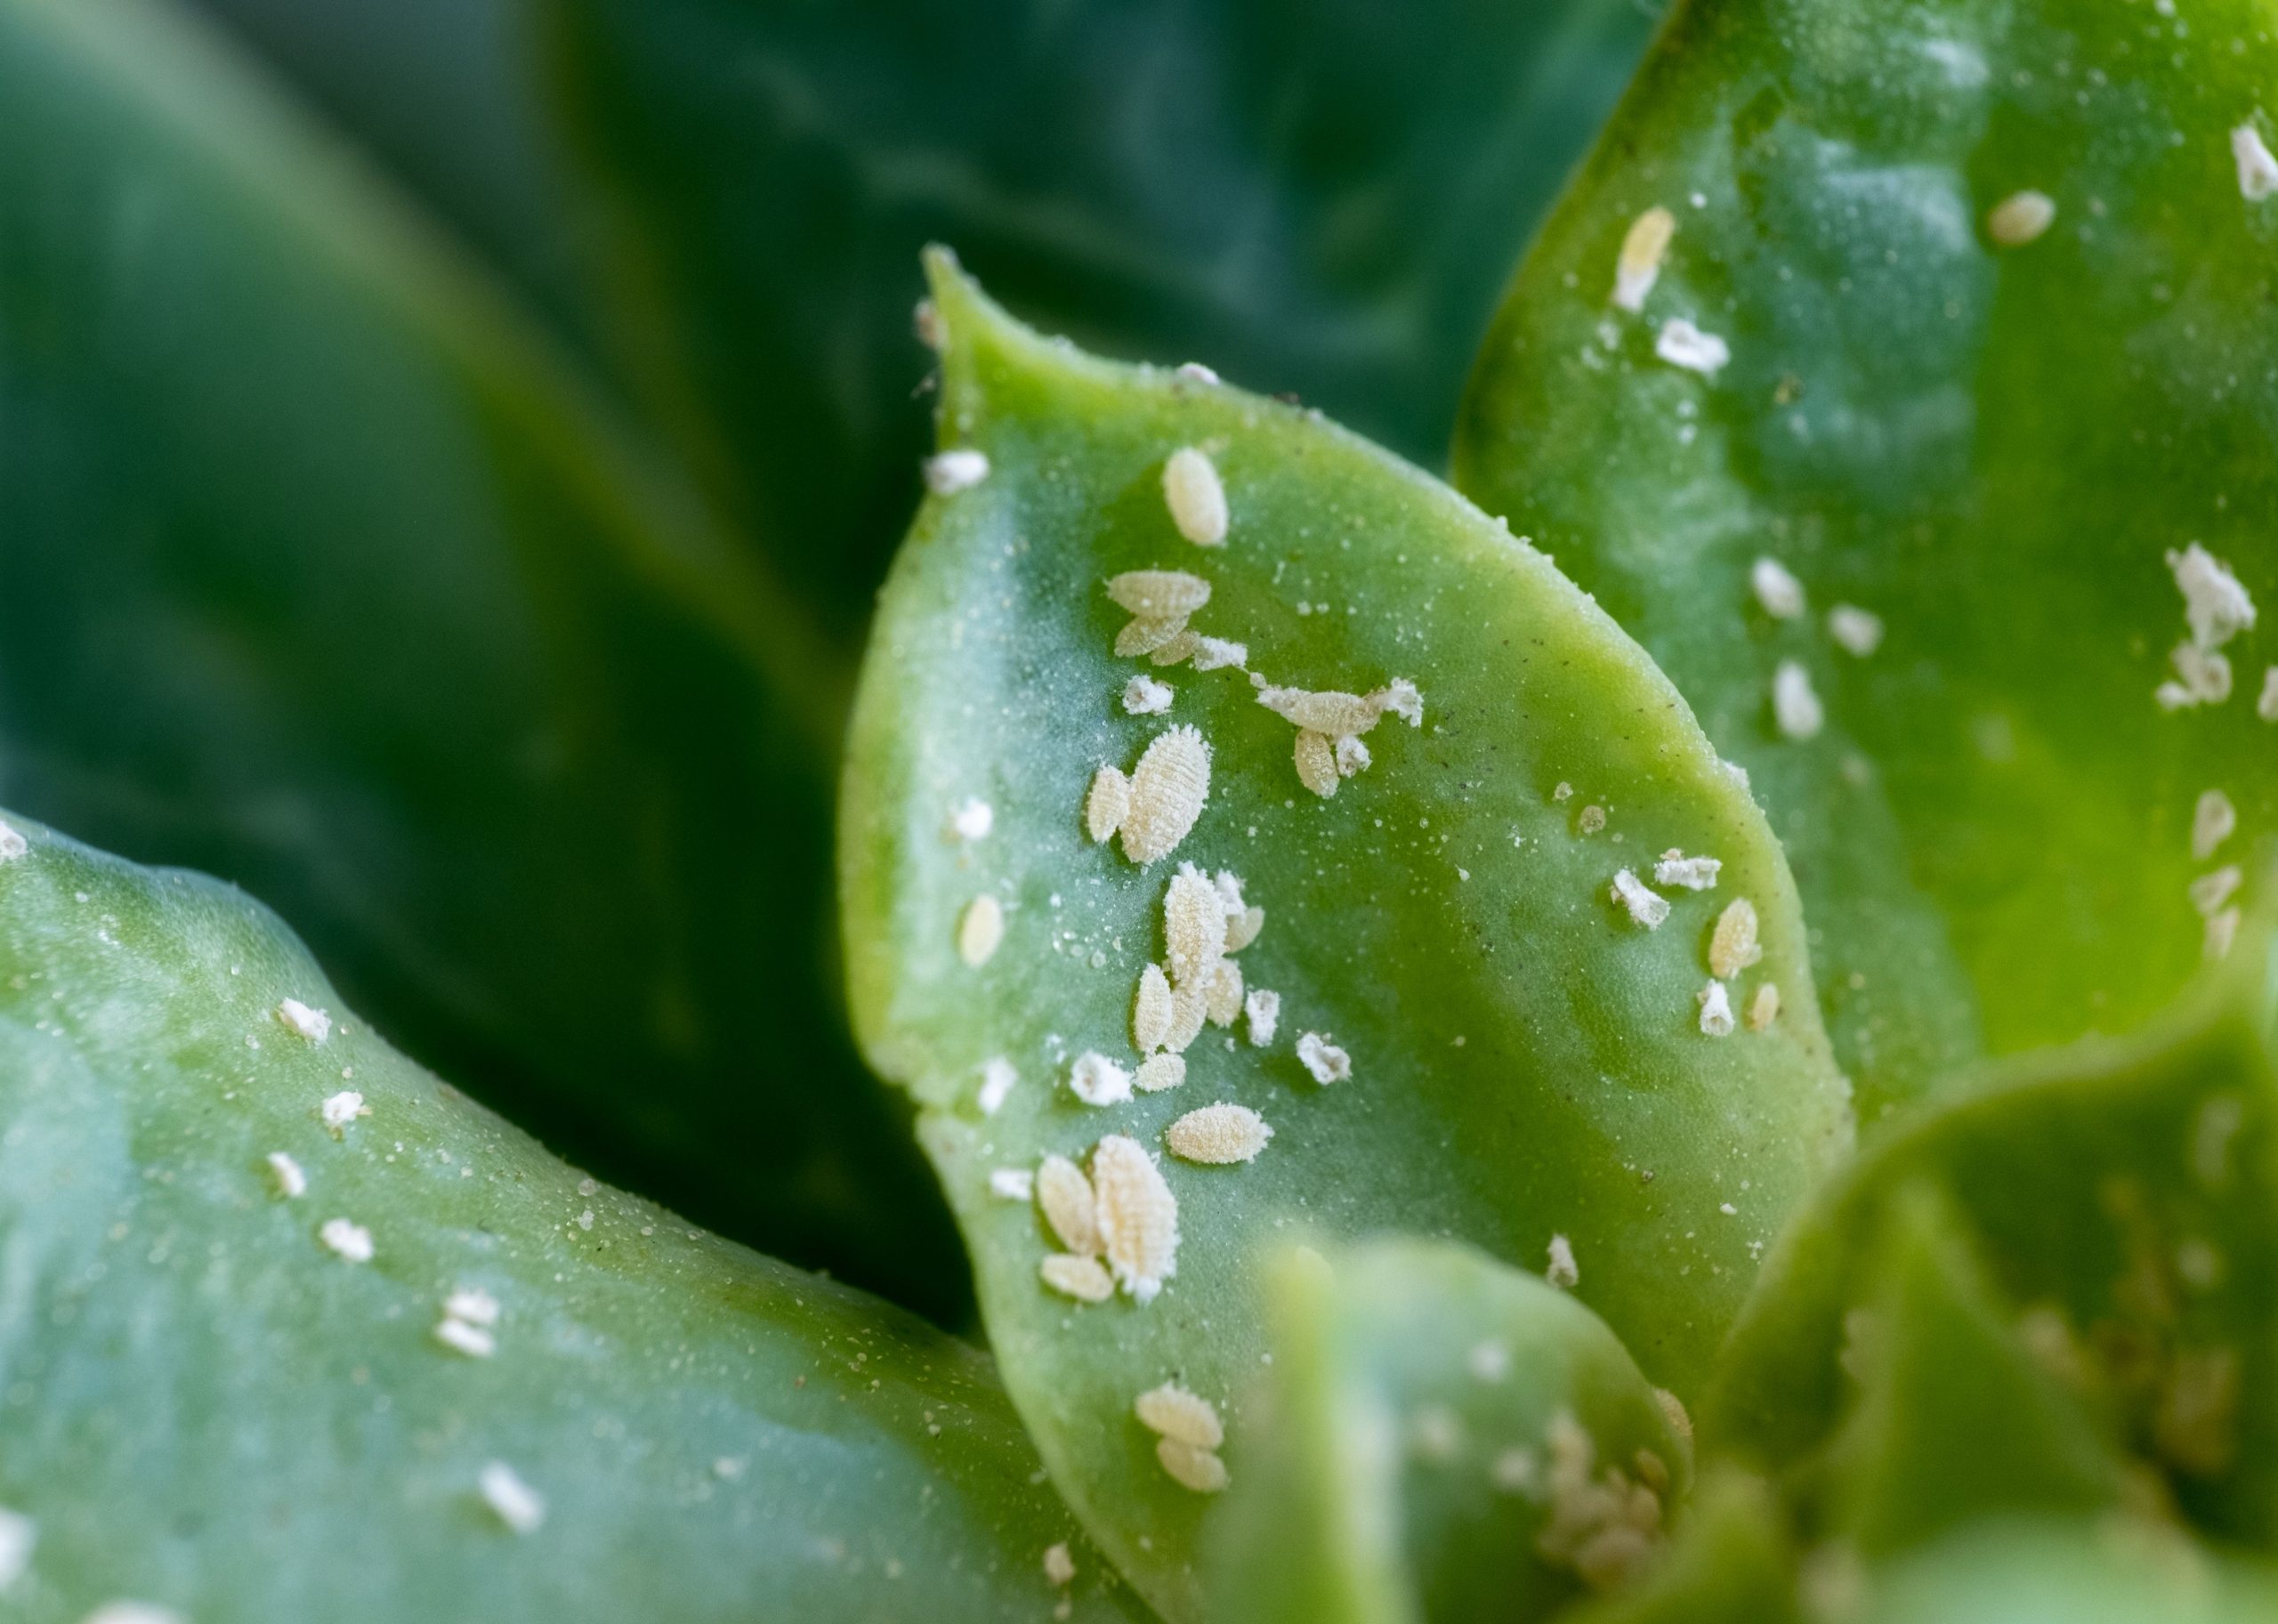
<point x="2066" y="1574"/>
<point x="323" y="577"/>
<point x="1730" y="1564"/>
<point x="1443" y="1438"/>
<point x="1955" y="1420"/>
<point x="2123" y="1199"/>
<point x="1990" y="442"/>
<point x="1526" y="1060"/>
<point x="260" y="1390"/>
<point x="1312" y="198"/>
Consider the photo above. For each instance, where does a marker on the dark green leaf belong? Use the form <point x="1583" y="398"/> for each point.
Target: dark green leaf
<point x="1526" y="1060"/>
<point x="1992" y="448"/>
<point x="1311" y="198"/>
<point x="323" y="577"/>
<point x="1444" y="1439"/>
<point x="211" y="1409"/>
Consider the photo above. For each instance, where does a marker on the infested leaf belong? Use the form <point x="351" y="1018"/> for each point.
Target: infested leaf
<point x="1730" y="1563"/>
<point x="225" y="1403"/>
<point x="1448" y="1439"/>
<point x="1469" y="1036"/>
<point x="2120" y="1198"/>
<point x="327" y="577"/>
<point x="1973" y="457"/>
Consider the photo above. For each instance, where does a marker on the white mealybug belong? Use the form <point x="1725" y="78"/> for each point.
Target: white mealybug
<point x="521" y="1508"/>
<point x="1218" y="1135"/>
<point x="1195" y="925"/>
<point x="1222" y="996"/>
<point x="1084" y="1279"/>
<point x="1316" y="759"/>
<point x="1138" y="1216"/>
<point x="1059" y="1566"/>
<point x="1264" y="1010"/>
<point x="2210" y="892"/>
<point x="340" y="1109"/>
<point x="1733" y="946"/>
<point x="1794" y="708"/>
<point x="474" y="1305"/>
<point x="1563" y="1272"/>
<point x="1168" y="790"/>
<point x="948" y="472"/>
<point x="461" y="1337"/>
<point x="2203" y="677"/>
<point x="1097" y="1080"/>
<point x="1143" y="695"/>
<point x="304" y="1020"/>
<point x="351" y="1241"/>
<point x="980" y="928"/>
<point x="1645" y="906"/>
<point x="1715" y="1010"/>
<point x="1681" y="344"/>
<point x="1324" y="1060"/>
<point x="291" y="1181"/>
<point x="1780" y="592"/>
<point x="1151" y="1011"/>
<point x="2258" y="169"/>
<point x="1012" y="1184"/>
<point x="2212" y="822"/>
<point x="1674" y="868"/>
<point x="1158" y="1072"/>
<point x="1159" y="595"/>
<point x="1857" y="631"/>
<point x="1764" y="1008"/>
<point x="1196" y="498"/>
<point x="997" y="1080"/>
<point x="2267" y="706"/>
<point x="2020" y="217"/>
<point x="972" y="819"/>
<point x="1639" y="266"/>
<point x="2215" y="606"/>
<point x="1108" y="803"/>
<point x="1171" y="1411"/>
<point x="1069" y="1204"/>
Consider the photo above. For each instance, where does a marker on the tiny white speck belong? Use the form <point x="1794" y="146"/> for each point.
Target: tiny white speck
<point x="1195" y="372"/>
<point x="980" y="928"/>
<point x="472" y="1304"/>
<point x="1097" y="1080"/>
<point x="2215" y="606"/>
<point x="2212" y="822"/>
<point x="1264" y="1009"/>
<point x="471" y="1340"/>
<point x="1489" y="1362"/>
<point x="1645" y="906"/>
<point x="2267" y="706"/>
<point x="1324" y="1060"/>
<point x="12" y="845"/>
<point x="1687" y="873"/>
<point x="1639" y="265"/>
<point x="1012" y="1184"/>
<point x="19" y="1535"/>
<point x="290" y="1181"/>
<point x="1715" y="1010"/>
<point x="1728" y="1209"/>
<point x="519" y="1506"/>
<point x="1683" y="344"/>
<point x="972" y="819"/>
<point x="351" y="1241"/>
<point x="1059" y="1566"/>
<point x="2019" y="218"/>
<point x="1563" y="1272"/>
<point x="1857" y="631"/>
<point x="1196" y="498"/>
<point x="950" y="472"/>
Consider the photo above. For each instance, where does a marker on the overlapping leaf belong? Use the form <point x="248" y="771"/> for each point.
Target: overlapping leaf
<point x="1445" y="1438"/>
<point x="1859" y="361"/>
<point x="322" y="576"/>
<point x="221" y="1402"/>
<point x="1527" y="1059"/>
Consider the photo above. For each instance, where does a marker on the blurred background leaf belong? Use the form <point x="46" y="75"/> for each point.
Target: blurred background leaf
<point x="324" y="574"/>
<point x="1317" y="198"/>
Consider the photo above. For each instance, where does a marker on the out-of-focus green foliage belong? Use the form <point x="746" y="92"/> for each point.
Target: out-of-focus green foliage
<point x="1527" y="1060"/>
<point x="1996" y="447"/>
<point x="214" y="1405"/>
<point x="323" y="576"/>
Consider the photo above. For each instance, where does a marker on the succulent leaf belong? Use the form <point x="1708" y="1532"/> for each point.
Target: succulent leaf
<point x="1730" y="1563"/>
<point x="1454" y="1023"/>
<point x="1973" y="458"/>
<point x="325" y="576"/>
<point x="254" y="1390"/>
<point x="1448" y="1439"/>
<point x="1318" y="198"/>
<point x="2121" y="1199"/>
<point x="2076" y="1573"/>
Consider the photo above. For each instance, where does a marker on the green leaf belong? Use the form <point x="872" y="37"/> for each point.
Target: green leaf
<point x="1526" y="1061"/>
<point x="1317" y="198"/>
<point x="1730" y="1564"/>
<point x="1955" y="1420"/>
<point x="213" y="1408"/>
<point x="2120" y="1195"/>
<point x="1992" y="448"/>
<point x="2066" y="1574"/>
<point x="325" y="576"/>
<point x="1447" y="1439"/>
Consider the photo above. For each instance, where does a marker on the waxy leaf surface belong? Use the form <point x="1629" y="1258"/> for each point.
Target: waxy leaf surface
<point x="1991" y="445"/>
<point x="323" y="577"/>
<point x="1447" y="1439"/>
<point x="1526" y="1060"/>
<point x="2121" y="1199"/>
<point x="212" y="1411"/>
